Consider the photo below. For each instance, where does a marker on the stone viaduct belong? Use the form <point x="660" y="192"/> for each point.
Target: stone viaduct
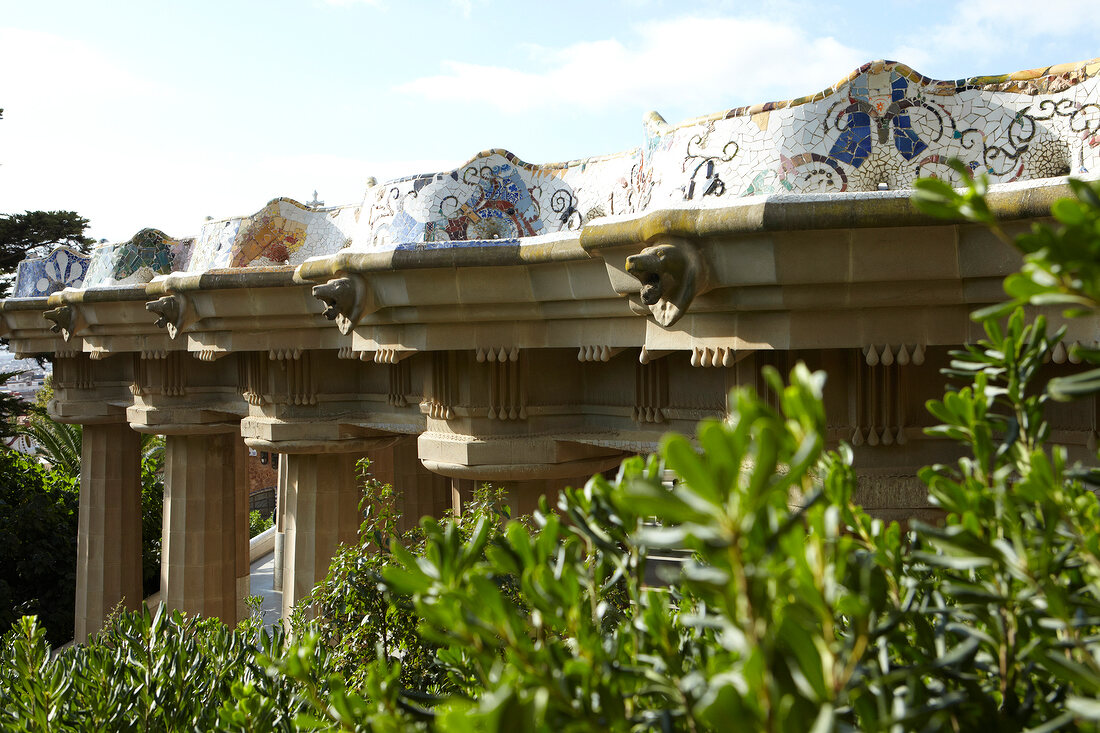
<point x="530" y="325"/>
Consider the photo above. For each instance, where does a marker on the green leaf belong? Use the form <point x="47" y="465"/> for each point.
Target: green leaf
<point x="682" y="458"/>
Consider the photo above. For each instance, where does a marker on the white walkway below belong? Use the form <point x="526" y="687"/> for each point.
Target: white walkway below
<point x="261" y="584"/>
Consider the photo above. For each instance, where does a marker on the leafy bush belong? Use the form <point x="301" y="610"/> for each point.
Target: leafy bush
<point x="147" y="672"/>
<point x="359" y="619"/>
<point x="152" y="510"/>
<point x="257" y="522"/>
<point x="38" y="523"/>
<point x="38" y="527"/>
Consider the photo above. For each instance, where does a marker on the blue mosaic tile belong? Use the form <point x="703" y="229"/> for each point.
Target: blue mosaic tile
<point x="62" y="268"/>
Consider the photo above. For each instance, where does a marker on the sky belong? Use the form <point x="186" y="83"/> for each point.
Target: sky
<point x="159" y="114"/>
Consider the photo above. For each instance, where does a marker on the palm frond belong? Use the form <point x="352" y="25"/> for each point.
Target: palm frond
<point x="57" y="443"/>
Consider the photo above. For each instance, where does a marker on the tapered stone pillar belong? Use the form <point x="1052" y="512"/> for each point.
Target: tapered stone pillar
<point x="240" y="527"/>
<point x="280" y="526"/>
<point x="417" y="491"/>
<point x="322" y="510"/>
<point x="199" y="546"/>
<point x="108" y="564"/>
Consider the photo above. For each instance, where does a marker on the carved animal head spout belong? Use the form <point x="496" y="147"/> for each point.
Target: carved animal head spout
<point x="338" y="296"/>
<point x="170" y="310"/>
<point x="671" y="276"/>
<point x="347" y="299"/>
<point x="62" y="318"/>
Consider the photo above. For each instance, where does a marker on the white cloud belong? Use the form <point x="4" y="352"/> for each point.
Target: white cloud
<point x="704" y="63"/>
<point x="50" y="68"/>
<point x="80" y="132"/>
<point x="986" y="31"/>
<point x="175" y="190"/>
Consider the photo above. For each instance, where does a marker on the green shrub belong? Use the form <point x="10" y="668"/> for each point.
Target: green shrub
<point x="152" y="510"/>
<point x="147" y="672"/>
<point x="359" y="619"/>
<point x="38" y="523"/>
<point x="38" y="528"/>
<point x="257" y="522"/>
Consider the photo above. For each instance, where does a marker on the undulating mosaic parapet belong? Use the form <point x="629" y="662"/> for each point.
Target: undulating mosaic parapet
<point x="882" y="126"/>
<point x="495" y="195"/>
<point x="147" y="254"/>
<point x="284" y="232"/>
<point x="38" y="276"/>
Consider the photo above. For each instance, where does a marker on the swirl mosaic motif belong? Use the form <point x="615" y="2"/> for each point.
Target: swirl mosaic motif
<point x="39" y="276"/>
<point x="882" y="126"/>
<point x="497" y="196"/>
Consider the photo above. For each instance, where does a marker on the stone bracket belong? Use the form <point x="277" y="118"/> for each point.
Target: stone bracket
<point x="176" y="313"/>
<point x="671" y="274"/>
<point x="347" y="299"/>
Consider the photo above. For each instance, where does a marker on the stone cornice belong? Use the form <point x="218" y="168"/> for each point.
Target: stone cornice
<point x="807" y="212"/>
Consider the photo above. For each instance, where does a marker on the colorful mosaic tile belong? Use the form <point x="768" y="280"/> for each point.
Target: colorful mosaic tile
<point x="496" y="196"/>
<point x="39" y="276"/>
<point x="148" y="253"/>
<point x="882" y="126"/>
<point x="283" y="232"/>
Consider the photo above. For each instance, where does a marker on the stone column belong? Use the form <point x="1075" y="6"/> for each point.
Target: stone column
<point x="280" y="526"/>
<point x="108" y="564"/>
<point x="199" y="544"/>
<point x="418" y="492"/>
<point x="240" y="527"/>
<point x="322" y="511"/>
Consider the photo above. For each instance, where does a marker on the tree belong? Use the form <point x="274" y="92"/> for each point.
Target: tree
<point x="31" y="232"/>
<point x="56" y="443"/>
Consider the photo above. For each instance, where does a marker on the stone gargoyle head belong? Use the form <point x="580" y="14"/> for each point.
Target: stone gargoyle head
<point x="62" y="318"/>
<point x="170" y="310"/>
<point x="346" y="299"/>
<point x="671" y="274"/>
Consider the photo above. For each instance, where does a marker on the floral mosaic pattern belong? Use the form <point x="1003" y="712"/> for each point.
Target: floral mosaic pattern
<point x="882" y="126"/>
<point x="283" y="232"/>
<point x="39" y="276"/>
<point x="148" y="253"/>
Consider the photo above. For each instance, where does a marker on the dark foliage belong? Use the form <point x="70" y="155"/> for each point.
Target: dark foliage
<point x="152" y="511"/>
<point x="11" y="407"/>
<point x="38" y="523"/>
